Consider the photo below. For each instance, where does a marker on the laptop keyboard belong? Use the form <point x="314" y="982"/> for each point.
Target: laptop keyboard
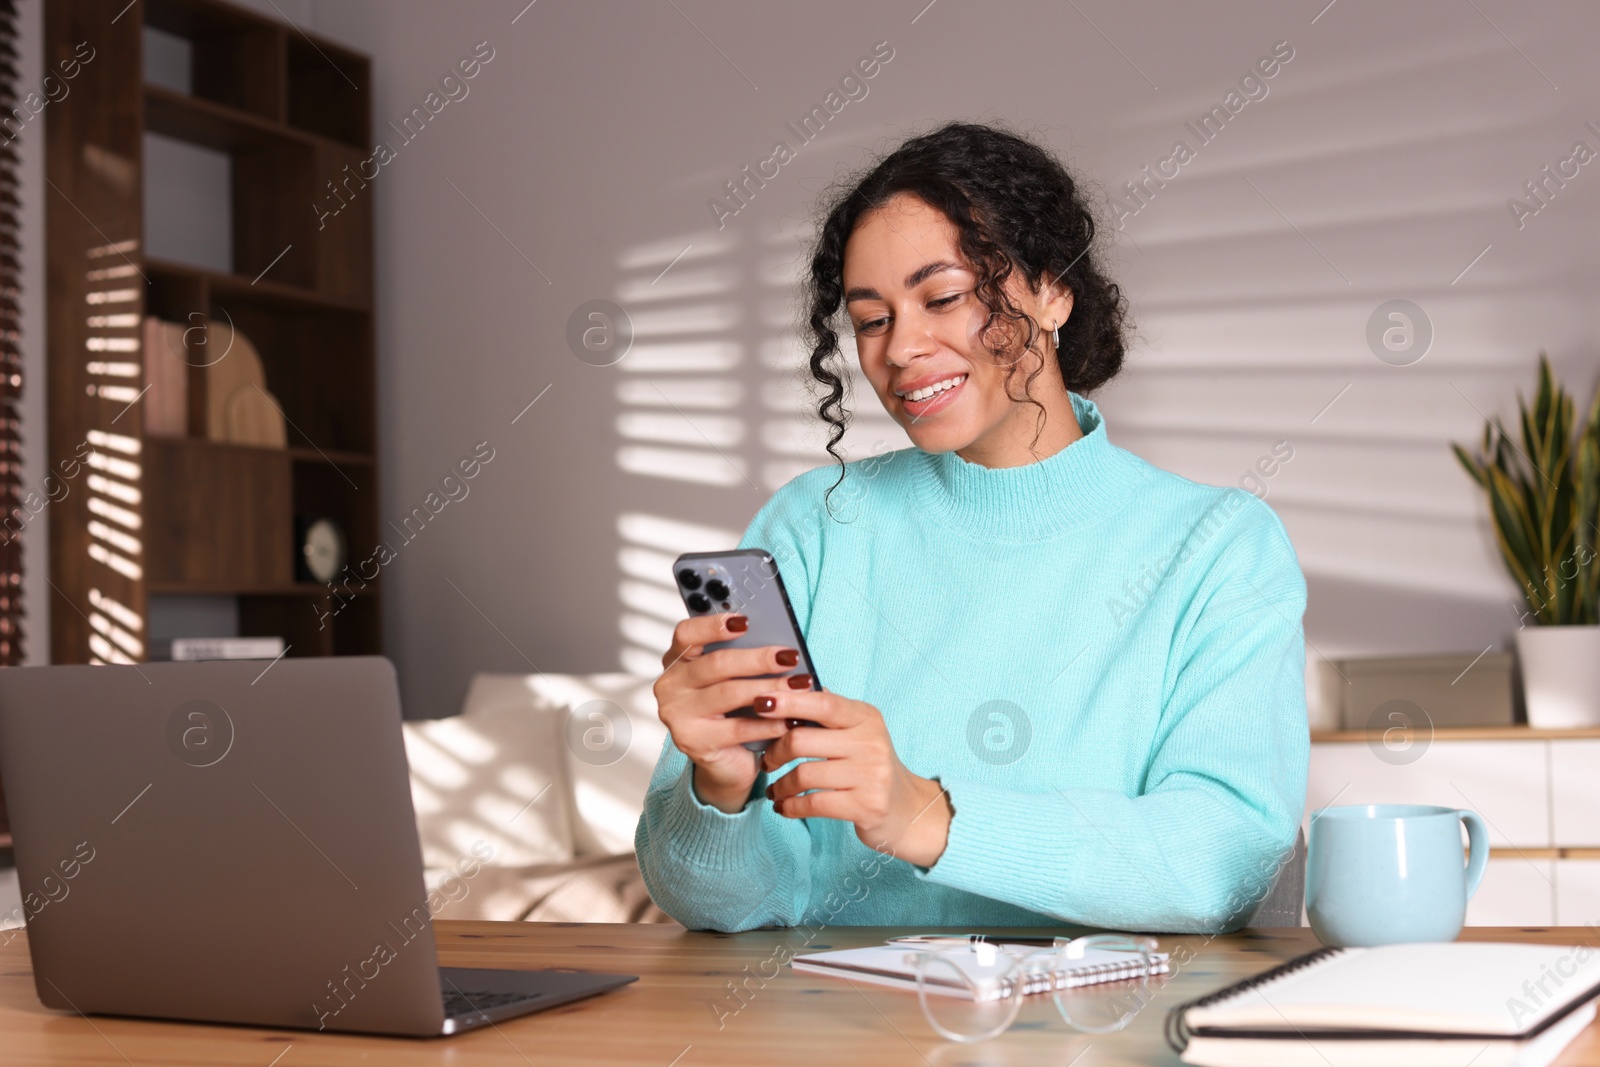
<point x="468" y="1002"/>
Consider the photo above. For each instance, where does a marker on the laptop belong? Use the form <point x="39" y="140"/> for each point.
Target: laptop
<point x="234" y="842"/>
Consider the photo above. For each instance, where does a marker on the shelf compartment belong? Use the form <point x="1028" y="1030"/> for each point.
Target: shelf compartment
<point x="320" y="491"/>
<point x="344" y="225"/>
<point x="328" y="90"/>
<point x="216" y="516"/>
<point x="237" y="59"/>
<point x="304" y="623"/>
<point x="214" y="125"/>
<point x="274" y="174"/>
<point x="318" y="365"/>
<point x="314" y="625"/>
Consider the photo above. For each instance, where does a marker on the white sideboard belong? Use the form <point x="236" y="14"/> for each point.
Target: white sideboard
<point x="1538" y="791"/>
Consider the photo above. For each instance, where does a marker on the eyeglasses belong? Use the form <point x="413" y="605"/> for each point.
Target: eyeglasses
<point x="973" y="991"/>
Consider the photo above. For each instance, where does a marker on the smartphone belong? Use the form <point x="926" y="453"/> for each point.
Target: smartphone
<point x="747" y="581"/>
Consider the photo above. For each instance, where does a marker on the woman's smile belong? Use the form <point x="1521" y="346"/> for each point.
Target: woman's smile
<point x="926" y="397"/>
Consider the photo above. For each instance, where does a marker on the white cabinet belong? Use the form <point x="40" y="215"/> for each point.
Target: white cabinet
<point x="1575" y="793"/>
<point x="1578" y="892"/>
<point x="1508" y="783"/>
<point x="1539" y="795"/>
<point x="1515" y="891"/>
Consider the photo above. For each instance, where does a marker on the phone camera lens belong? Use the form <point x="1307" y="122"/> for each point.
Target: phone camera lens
<point x="688" y="579"/>
<point x="716" y="590"/>
<point x="698" y="602"/>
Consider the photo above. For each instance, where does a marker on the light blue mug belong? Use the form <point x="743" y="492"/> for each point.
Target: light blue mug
<point x="1380" y="874"/>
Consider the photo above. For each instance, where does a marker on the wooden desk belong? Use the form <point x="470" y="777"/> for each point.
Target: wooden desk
<point x="667" y="1019"/>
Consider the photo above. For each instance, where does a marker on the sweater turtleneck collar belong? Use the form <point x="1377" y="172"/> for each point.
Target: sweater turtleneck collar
<point x="1079" y="485"/>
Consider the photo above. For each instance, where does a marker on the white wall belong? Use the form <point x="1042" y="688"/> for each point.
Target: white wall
<point x="1377" y="167"/>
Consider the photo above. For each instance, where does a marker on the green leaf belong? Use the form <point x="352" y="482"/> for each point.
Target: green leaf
<point x="1473" y="468"/>
<point x="1515" y="529"/>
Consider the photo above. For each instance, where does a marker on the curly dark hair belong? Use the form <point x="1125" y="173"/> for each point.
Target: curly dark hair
<point x="1016" y="208"/>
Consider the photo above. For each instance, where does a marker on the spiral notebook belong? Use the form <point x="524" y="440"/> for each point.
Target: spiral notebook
<point x="985" y="971"/>
<point x="1447" y="1004"/>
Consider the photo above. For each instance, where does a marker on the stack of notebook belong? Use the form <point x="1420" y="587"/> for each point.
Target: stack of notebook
<point x="1424" y="1005"/>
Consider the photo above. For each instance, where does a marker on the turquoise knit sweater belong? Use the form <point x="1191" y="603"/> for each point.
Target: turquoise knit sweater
<point x="1102" y="662"/>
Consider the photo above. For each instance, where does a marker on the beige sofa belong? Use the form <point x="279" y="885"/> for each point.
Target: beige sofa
<point x="527" y="800"/>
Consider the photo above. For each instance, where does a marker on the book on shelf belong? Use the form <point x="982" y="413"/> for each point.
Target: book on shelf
<point x="166" y="372"/>
<point x="202" y="648"/>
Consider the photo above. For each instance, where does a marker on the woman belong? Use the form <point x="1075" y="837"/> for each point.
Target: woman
<point x="1064" y="686"/>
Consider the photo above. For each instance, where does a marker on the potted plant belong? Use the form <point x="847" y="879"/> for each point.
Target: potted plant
<point x="1543" y="488"/>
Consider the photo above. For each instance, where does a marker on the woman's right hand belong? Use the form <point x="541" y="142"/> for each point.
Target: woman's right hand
<point x="696" y="691"/>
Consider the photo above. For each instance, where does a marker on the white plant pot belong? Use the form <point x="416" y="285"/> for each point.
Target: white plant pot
<point x="1560" y="675"/>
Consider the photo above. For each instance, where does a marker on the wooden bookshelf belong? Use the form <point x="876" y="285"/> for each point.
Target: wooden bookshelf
<point x="192" y="516"/>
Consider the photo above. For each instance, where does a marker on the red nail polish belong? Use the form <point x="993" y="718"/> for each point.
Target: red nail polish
<point x="765" y="703"/>
<point x="738" y="623"/>
<point x="788" y="657"/>
<point x="799" y="681"/>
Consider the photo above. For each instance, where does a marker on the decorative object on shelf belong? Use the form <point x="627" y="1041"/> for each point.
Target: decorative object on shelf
<point x="239" y="409"/>
<point x="254" y="419"/>
<point x="1381" y="693"/>
<point x="1544" y="500"/>
<point x="166" y="376"/>
<point x="323" y="549"/>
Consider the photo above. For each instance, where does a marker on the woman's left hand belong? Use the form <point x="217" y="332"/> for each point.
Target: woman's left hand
<point x="859" y="778"/>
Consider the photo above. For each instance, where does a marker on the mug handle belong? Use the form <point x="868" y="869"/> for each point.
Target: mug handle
<point x="1478" y="848"/>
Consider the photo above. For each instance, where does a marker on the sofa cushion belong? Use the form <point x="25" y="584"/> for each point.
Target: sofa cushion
<point x="495" y="774"/>
<point x="593" y="739"/>
<point x="613" y="738"/>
